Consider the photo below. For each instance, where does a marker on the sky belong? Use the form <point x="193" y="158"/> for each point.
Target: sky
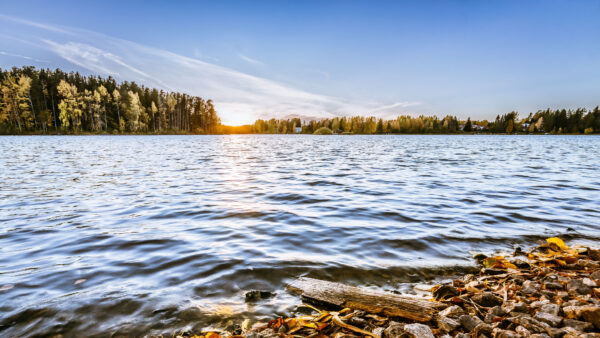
<point x="274" y="59"/>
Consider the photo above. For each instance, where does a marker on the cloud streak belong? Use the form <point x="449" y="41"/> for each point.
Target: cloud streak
<point x="239" y="97"/>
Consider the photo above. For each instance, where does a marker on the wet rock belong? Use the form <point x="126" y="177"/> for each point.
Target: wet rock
<point x="487" y="299"/>
<point x="256" y="295"/>
<point x="445" y="292"/>
<point x="447" y="324"/>
<point x="548" y="318"/>
<point x="469" y="322"/>
<point x="578" y="325"/>
<point x="418" y="331"/>
<point x="393" y="330"/>
<point x="492" y="272"/>
<point x="453" y="311"/>
<point x="520" y="263"/>
<point x="550" y="308"/>
<point x="591" y="314"/>
<point x="577" y="286"/>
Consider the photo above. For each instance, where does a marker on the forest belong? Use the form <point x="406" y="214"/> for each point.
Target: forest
<point x="52" y="101"/>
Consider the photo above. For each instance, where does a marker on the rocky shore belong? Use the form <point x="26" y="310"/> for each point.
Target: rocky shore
<point x="552" y="290"/>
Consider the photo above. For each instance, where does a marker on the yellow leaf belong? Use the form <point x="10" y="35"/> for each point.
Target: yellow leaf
<point x="559" y="242"/>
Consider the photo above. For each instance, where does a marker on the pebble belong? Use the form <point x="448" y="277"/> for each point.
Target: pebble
<point x="453" y="311"/>
<point x="418" y="331"/>
<point x="550" y="308"/>
<point x="550" y="319"/>
<point x="469" y="322"/>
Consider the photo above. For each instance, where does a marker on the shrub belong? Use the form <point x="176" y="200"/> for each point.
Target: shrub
<point x="588" y="130"/>
<point x="323" y="131"/>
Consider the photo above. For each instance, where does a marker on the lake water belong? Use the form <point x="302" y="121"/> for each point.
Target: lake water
<point x="152" y="234"/>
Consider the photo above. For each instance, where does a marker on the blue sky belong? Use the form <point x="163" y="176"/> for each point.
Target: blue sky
<point x="324" y="58"/>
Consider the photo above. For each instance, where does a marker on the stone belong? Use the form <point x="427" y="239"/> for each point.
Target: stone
<point x="553" y="286"/>
<point x="577" y="286"/>
<point x="487" y="299"/>
<point x="378" y="331"/>
<point x="530" y="288"/>
<point x="595" y="275"/>
<point x="418" y="331"/>
<point x="548" y="318"/>
<point x="539" y="303"/>
<point x="540" y="335"/>
<point x="511" y="306"/>
<point x="357" y="321"/>
<point x="578" y="325"/>
<point x="268" y="333"/>
<point x="453" y="311"/>
<point x="522" y="331"/>
<point x="469" y="322"/>
<point x="499" y="333"/>
<point x="571" y="311"/>
<point x="497" y="311"/>
<point x="447" y="324"/>
<point x="483" y="329"/>
<point x="591" y="314"/>
<point x="589" y="282"/>
<point x="393" y="330"/>
<point x="550" y="308"/>
<point x="445" y="292"/>
<point x="256" y="295"/>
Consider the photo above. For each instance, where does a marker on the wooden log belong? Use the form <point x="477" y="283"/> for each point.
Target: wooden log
<point x="371" y="301"/>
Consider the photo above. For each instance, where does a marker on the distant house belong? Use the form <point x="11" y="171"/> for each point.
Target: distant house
<point x="525" y="126"/>
<point x="298" y="130"/>
<point x="477" y="127"/>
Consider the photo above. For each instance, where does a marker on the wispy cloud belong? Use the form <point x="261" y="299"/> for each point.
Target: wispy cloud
<point x="23" y="57"/>
<point x="249" y="59"/>
<point x="198" y="54"/>
<point x="238" y="96"/>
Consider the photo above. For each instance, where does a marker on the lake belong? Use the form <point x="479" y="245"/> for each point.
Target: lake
<point x="152" y="234"/>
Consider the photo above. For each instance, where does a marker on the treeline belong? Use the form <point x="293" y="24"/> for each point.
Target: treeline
<point x="52" y="101"/>
<point x="561" y="121"/>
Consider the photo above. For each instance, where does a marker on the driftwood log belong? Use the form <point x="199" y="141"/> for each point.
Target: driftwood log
<point x="371" y="301"/>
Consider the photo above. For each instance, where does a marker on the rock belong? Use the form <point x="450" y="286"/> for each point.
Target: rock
<point x="520" y="263"/>
<point x="522" y="331"/>
<point x="497" y="311"/>
<point x="469" y="322"/>
<point x="418" y="331"/>
<point x="550" y="308"/>
<point x="548" y="318"/>
<point x="268" y="333"/>
<point x="530" y="288"/>
<point x="595" y="275"/>
<point x="453" y="311"/>
<point x="393" y="330"/>
<point x="256" y="295"/>
<point x="511" y="306"/>
<point x="487" y="299"/>
<point x="578" y="325"/>
<point x="492" y="272"/>
<point x="571" y="311"/>
<point x="447" y="324"/>
<point x="378" y="331"/>
<point x="499" y="333"/>
<point x="594" y="254"/>
<point x="577" y="286"/>
<point x="591" y="314"/>
<point x="357" y="321"/>
<point x="540" y="335"/>
<point x="445" y="292"/>
<point x="483" y="329"/>
<point x="539" y="303"/>
<point x="589" y="282"/>
<point x="553" y="286"/>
